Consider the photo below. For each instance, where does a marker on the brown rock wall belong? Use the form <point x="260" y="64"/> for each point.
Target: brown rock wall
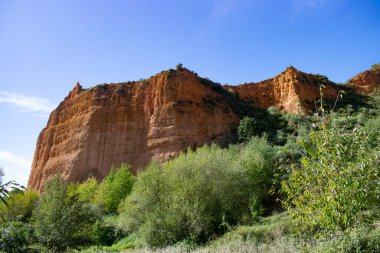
<point x="157" y="118"/>
<point x="135" y="122"/>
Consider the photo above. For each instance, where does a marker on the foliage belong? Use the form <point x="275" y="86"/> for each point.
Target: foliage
<point x="363" y="239"/>
<point x="257" y="163"/>
<point x="15" y="237"/>
<point x="337" y="180"/>
<point x="60" y="220"/>
<point x="197" y="195"/>
<point x="4" y="187"/>
<point x="86" y="190"/>
<point x="114" y="187"/>
<point x="104" y="234"/>
<point x="247" y="129"/>
<point x="375" y="66"/>
<point x="19" y="206"/>
<point x="179" y="66"/>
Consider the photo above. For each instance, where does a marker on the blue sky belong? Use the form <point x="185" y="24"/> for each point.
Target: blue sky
<point x="46" y="46"/>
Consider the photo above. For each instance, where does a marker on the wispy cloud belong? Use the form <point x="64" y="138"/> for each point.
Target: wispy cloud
<point x="26" y="103"/>
<point x="16" y="167"/>
<point x="8" y="157"/>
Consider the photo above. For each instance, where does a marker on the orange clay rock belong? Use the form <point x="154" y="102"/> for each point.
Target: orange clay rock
<point x="157" y="118"/>
<point x="292" y="91"/>
<point x="367" y="82"/>
<point x="135" y="122"/>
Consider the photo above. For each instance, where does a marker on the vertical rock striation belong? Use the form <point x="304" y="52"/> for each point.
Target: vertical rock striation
<point x="157" y="118"/>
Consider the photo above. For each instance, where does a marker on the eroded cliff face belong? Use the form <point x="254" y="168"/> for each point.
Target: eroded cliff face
<point x="367" y="82"/>
<point x="292" y="91"/>
<point x="93" y="129"/>
<point x="135" y="122"/>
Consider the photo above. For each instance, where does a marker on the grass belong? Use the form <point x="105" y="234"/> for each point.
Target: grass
<point x="273" y="234"/>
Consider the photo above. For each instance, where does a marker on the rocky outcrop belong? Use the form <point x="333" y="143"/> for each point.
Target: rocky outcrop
<point x="157" y="118"/>
<point x="292" y="91"/>
<point x="367" y="82"/>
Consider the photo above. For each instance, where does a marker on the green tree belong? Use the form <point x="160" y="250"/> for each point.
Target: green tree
<point x="338" y="178"/>
<point x="197" y="195"/>
<point x="16" y="237"/>
<point x="19" y="206"/>
<point x="114" y="188"/>
<point x="257" y="161"/>
<point x="247" y="128"/>
<point x="60" y="219"/>
<point x="86" y="190"/>
<point x="179" y="66"/>
<point x="5" y="187"/>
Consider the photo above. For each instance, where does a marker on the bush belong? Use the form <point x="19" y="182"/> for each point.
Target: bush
<point x="375" y="66"/>
<point x="86" y="190"/>
<point x="179" y="66"/>
<point x="196" y="196"/>
<point x="104" y="234"/>
<point x="257" y="161"/>
<point x="19" y="206"/>
<point x="114" y="188"/>
<point x="337" y="180"/>
<point x="60" y="220"/>
<point x="15" y="237"/>
<point x="247" y="129"/>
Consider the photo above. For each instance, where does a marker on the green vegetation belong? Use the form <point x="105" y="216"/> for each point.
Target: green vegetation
<point x="338" y="177"/>
<point x="290" y="184"/>
<point x="113" y="189"/>
<point x="4" y="187"/>
<point x="375" y="66"/>
<point x="196" y="196"/>
<point x="60" y="220"/>
<point x="19" y="206"/>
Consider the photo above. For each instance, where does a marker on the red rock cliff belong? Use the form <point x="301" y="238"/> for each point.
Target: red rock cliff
<point x="367" y="82"/>
<point x="129" y="122"/>
<point x="157" y="118"/>
<point x="292" y="91"/>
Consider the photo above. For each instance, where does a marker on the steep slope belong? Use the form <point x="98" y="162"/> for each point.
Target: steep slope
<point x="129" y="122"/>
<point x="367" y="82"/>
<point x="134" y="122"/>
<point x="292" y="91"/>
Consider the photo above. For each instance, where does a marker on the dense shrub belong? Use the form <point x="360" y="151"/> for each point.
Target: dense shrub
<point x="86" y="190"/>
<point x="337" y="180"/>
<point x="114" y="187"/>
<point x="15" y="237"/>
<point x="247" y="129"/>
<point x="19" y="206"/>
<point x="256" y="160"/>
<point x="104" y="234"/>
<point x="60" y="220"/>
<point x="198" y="195"/>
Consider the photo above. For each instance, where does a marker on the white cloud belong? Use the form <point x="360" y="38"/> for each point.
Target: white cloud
<point x="15" y="167"/>
<point x="26" y="103"/>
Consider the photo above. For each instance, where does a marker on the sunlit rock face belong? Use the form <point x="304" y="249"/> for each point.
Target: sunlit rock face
<point x="157" y="118"/>
<point x="367" y="82"/>
<point x="292" y="91"/>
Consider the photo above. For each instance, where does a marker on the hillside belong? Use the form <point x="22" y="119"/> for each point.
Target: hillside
<point x="292" y="91"/>
<point x="157" y="118"/>
<point x="367" y="82"/>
